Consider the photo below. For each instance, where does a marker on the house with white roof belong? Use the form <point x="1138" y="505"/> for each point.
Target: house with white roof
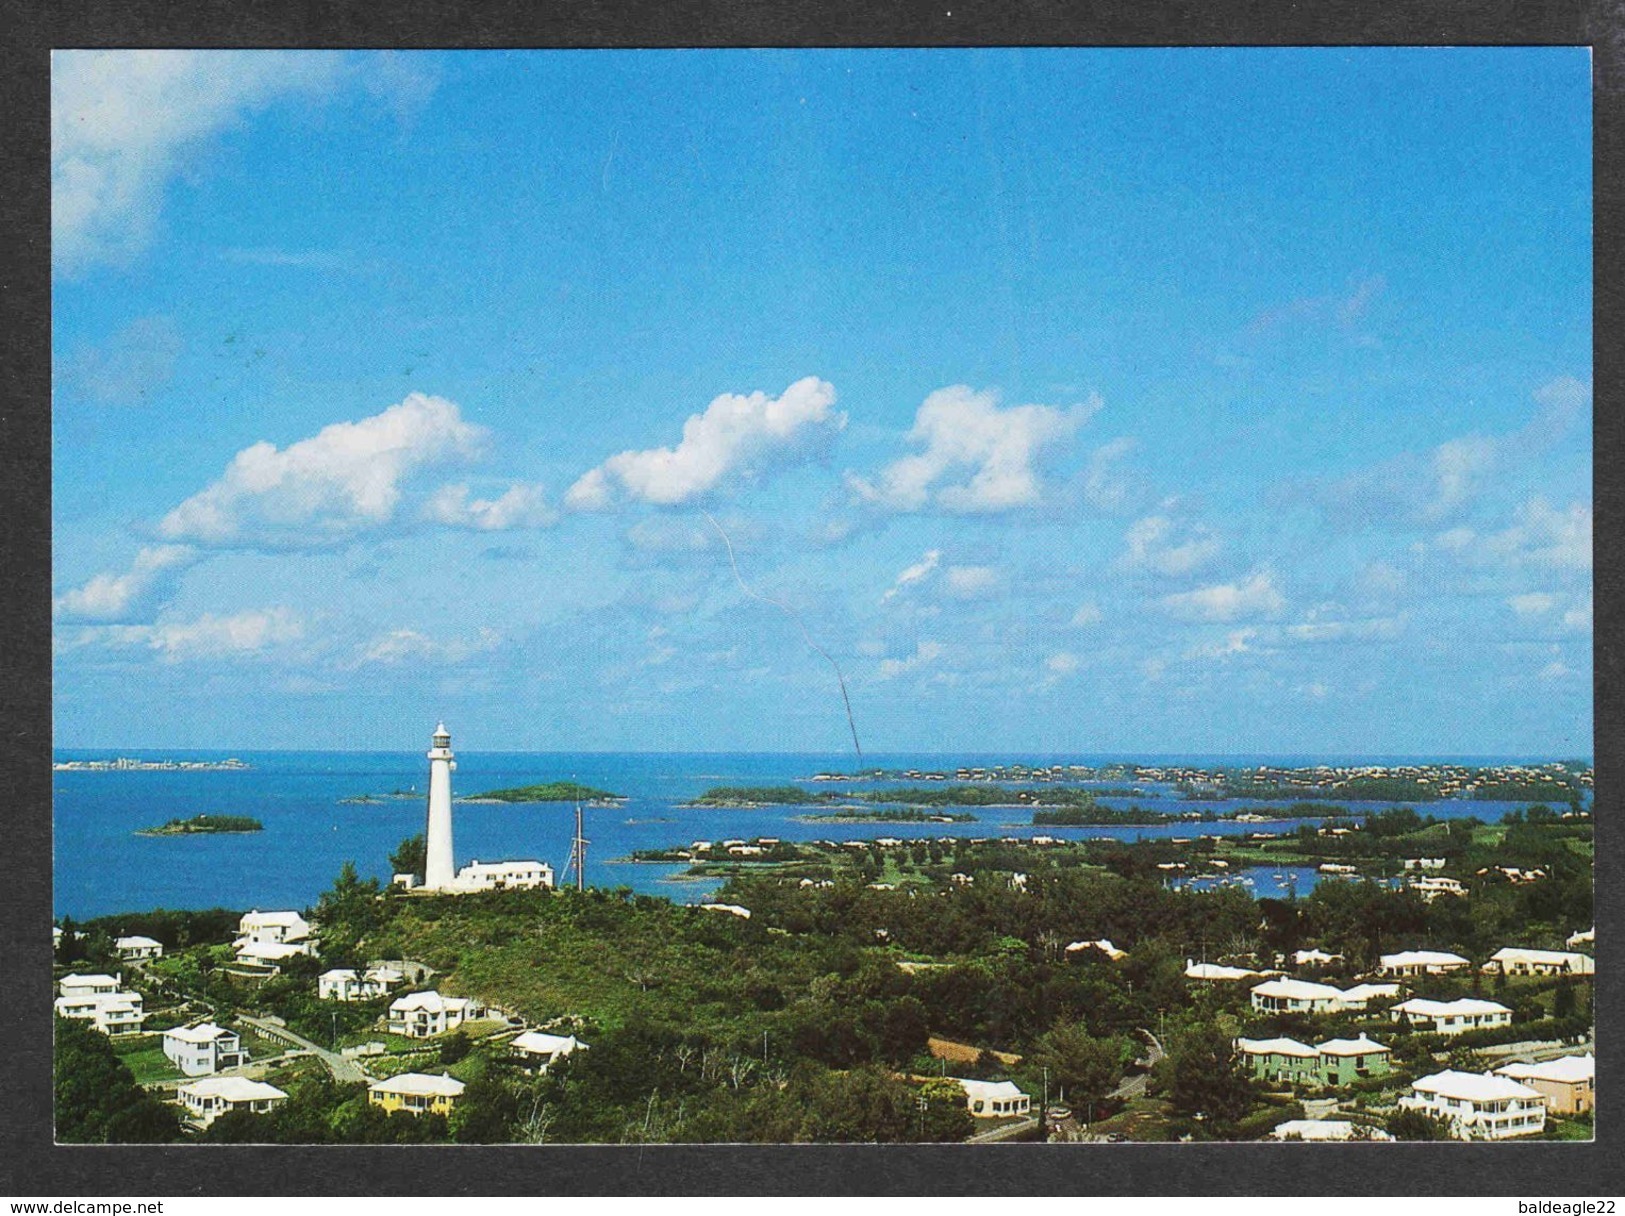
<point x="257" y="926"/>
<point x="1103" y="944"/>
<point x="1326" y="1129"/>
<point x="1432" y="887"/>
<point x="994" y="1099"/>
<point x="132" y="949"/>
<point x="1424" y="863"/>
<point x="344" y="984"/>
<point x="1296" y="996"/>
<point x="1314" y="957"/>
<point x="1514" y="960"/>
<point x="1361" y="995"/>
<point x="1421" y="962"/>
<point x="1582" y="937"/>
<point x="527" y="875"/>
<point x="270" y="955"/>
<point x="417" y="1093"/>
<point x="733" y="909"/>
<point x="1343" y="1061"/>
<point x="89" y="985"/>
<point x="203" y="1049"/>
<point x="542" y="1050"/>
<point x="422" y="1015"/>
<point x="1451" y="1017"/>
<point x="1569" y="1083"/>
<point x="112" y="1013"/>
<point x="207" y="1099"/>
<point x="1478" y="1106"/>
<point x="1284" y="1060"/>
<point x="1218" y="972"/>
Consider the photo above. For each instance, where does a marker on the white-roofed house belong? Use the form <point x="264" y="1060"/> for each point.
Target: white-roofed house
<point x="1361" y="995"/>
<point x="257" y="926"/>
<point x="1344" y="1061"/>
<point x="1218" y="972"/>
<point x="207" y="1099"/>
<point x="344" y="984"/>
<point x="1568" y="1082"/>
<point x="269" y="955"/>
<point x="542" y="1050"/>
<point x="732" y="909"/>
<point x="525" y="875"/>
<point x="1296" y="996"/>
<point x="1451" y="1017"/>
<point x="132" y="949"/>
<point x="1103" y="945"/>
<point x="203" y="1049"/>
<point x="1514" y="960"/>
<point x="417" y="1093"/>
<point x="994" y="1099"/>
<point x="1431" y="888"/>
<point x="1326" y="1129"/>
<point x="1285" y="1060"/>
<point x="1478" y="1106"/>
<point x="89" y="985"/>
<point x="422" y="1015"/>
<point x="1314" y="957"/>
<point x="112" y="1013"/>
<point x="1582" y="937"/>
<point x="1421" y="962"/>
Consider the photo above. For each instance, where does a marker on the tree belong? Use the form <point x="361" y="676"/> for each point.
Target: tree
<point x="409" y="856"/>
<point x="1409" y="1124"/>
<point x="454" y="1047"/>
<point x="1563" y="1002"/>
<point x="97" y="1099"/>
<point x="1204" y="1079"/>
<point x="1082" y="1068"/>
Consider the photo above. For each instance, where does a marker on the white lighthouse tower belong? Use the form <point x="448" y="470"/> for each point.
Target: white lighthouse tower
<point x="439" y="870"/>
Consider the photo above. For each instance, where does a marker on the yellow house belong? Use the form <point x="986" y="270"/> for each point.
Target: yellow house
<point x="416" y="1093"/>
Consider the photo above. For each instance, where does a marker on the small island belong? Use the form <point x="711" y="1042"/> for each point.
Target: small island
<point x="551" y="791"/>
<point x="852" y="814"/>
<point x="746" y="797"/>
<point x="200" y="825"/>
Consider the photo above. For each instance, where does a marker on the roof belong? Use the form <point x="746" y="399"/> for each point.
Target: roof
<point x="1299" y="990"/>
<point x="232" y="1089"/>
<point x="1361" y="1046"/>
<point x="128" y="943"/>
<point x="1475" y="1087"/>
<point x="1216" y="971"/>
<point x="1364" y="992"/>
<point x="339" y="973"/>
<point x="1421" y="958"/>
<point x="84" y="981"/>
<point x="1323" y="1129"/>
<point x="1104" y="945"/>
<point x="268" y="949"/>
<point x="257" y="917"/>
<point x="443" y="1085"/>
<point x="1564" y="1068"/>
<point x="547" y="1044"/>
<point x="988" y="1090"/>
<point x="204" y="1032"/>
<point x="1313" y="954"/>
<point x="1276" y="1047"/>
<point x="430" y="1000"/>
<point x="1517" y="954"/>
<point x="1465" y="1005"/>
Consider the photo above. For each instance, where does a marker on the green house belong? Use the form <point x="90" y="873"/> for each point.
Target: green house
<point x="1345" y="1060"/>
<point x="1282" y="1060"/>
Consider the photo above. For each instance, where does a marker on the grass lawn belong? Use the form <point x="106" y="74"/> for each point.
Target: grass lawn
<point x="1568" y="1129"/>
<point x="149" y="1063"/>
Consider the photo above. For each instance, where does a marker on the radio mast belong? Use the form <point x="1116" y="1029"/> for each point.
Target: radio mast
<point x="578" y="853"/>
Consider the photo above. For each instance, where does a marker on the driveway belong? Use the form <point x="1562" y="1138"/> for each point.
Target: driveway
<point x="341" y="1068"/>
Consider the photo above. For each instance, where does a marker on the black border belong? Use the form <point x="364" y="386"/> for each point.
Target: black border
<point x="32" y="1167"/>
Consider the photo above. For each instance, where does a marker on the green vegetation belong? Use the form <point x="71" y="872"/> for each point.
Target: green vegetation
<point x="853" y="815"/>
<point x="97" y="1099"/>
<point x="205" y="824"/>
<point x="1099" y="816"/>
<point x="745" y="796"/>
<point x="551" y="791"/>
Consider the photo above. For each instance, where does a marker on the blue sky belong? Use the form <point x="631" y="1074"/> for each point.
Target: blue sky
<point x="1141" y="401"/>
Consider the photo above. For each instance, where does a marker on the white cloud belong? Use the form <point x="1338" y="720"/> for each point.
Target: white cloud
<point x="342" y="481"/>
<point x="1539" y="536"/>
<point x="1257" y="596"/>
<point x="1165" y="546"/>
<point x="1533" y="603"/>
<point x="401" y="646"/>
<point x="977" y="457"/>
<point x="1556" y="670"/>
<point x="972" y="582"/>
<point x="122" y="123"/>
<point x="207" y="637"/>
<point x="1329" y="623"/>
<point x="1062" y="663"/>
<point x="1233" y="643"/>
<point x="520" y="506"/>
<point x="743" y="435"/>
<point x="925" y="653"/>
<point x="1104" y="486"/>
<point x="913" y="574"/>
<point x="129" y="596"/>
<point x="1578" y="619"/>
<point x="1460" y="469"/>
<point x="1087" y="614"/>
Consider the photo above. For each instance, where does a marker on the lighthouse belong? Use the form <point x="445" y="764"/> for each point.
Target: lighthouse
<point x="439" y="870"/>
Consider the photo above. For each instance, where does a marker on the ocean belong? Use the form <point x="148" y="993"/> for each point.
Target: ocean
<point x="102" y="867"/>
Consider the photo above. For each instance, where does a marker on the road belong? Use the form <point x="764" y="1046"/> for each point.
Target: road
<point x="1007" y="1131"/>
<point x="1134" y="1087"/>
<point x="342" y="1069"/>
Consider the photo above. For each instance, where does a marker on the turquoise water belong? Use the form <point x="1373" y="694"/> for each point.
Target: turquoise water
<point x="101" y="867"/>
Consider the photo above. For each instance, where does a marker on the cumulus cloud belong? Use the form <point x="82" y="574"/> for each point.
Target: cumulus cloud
<point x="925" y="653"/>
<point x="1556" y="670"/>
<point x="1540" y="536"/>
<point x="1062" y="663"/>
<point x="1256" y="596"/>
<point x="910" y="575"/>
<point x="123" y="121"/>
<point x="1532" y="603"/>
<point x="207" y="637"/>
<point x="1578" y="619"/>
<point x="1330" y="623"/>
<point x="520" y="506"/>
<point x="972" y="582"/>
<point x="735" y="435"/>
<point x="137" y="360"/>
<point x="342" y="481"/>
<point x="1088" y="614"/>
<point x="1105" y="487"/>
<point x="1163" y="545"/>
<point x="130" y="596"/>
<point x="1233" y="643"/>
<point x="977" y="458"/>
<point x="400" y="646"/>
